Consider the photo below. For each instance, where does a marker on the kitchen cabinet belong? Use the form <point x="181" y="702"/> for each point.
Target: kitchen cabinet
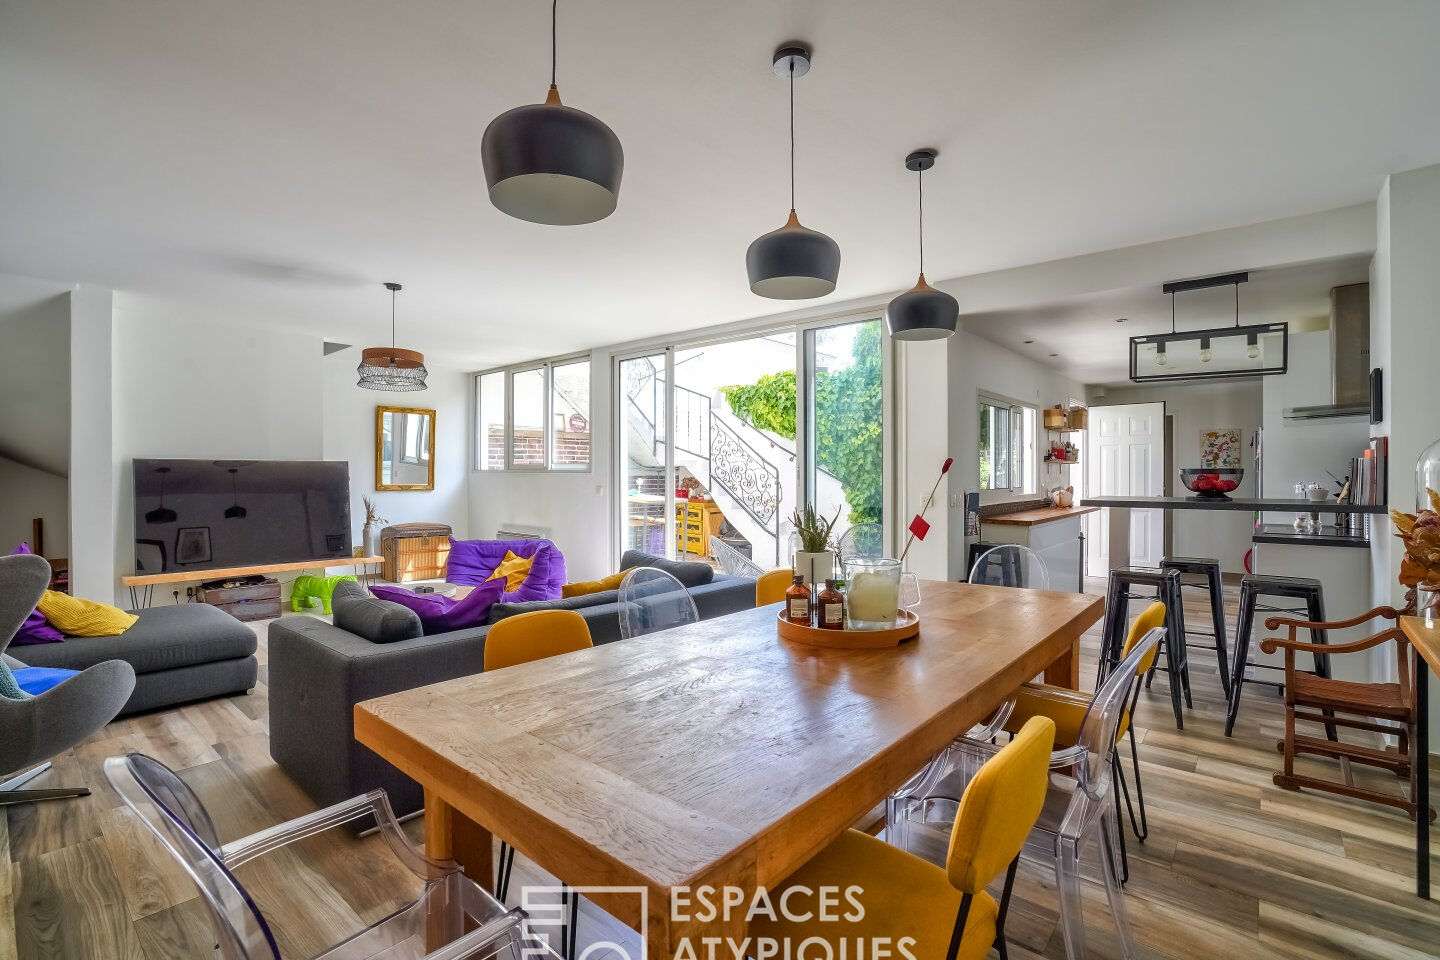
<point x="1053" y="533"/>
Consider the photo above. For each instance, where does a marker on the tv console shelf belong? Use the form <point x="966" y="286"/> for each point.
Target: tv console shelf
<point x="142" y="586"/>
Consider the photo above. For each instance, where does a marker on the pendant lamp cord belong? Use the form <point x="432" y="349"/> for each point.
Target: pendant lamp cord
<point x="554" y="7"/>
<point x="392" y="319"/>
<point x="920" y="180"/>
<point x="1172" y="311"/>
<point x="1237" y="304"/>
<point x="792" y="133"/>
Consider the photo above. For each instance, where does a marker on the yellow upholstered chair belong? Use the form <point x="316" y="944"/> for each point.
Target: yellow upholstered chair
<point x="535" y="636"/>
<point x="905" y="896"/>
<point x="770" y="586"/>
<point x="1067" y="708"/>
<point x="520" y="639"/>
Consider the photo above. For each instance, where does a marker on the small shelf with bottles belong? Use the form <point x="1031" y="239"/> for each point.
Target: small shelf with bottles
<point x="1060" y="422"/>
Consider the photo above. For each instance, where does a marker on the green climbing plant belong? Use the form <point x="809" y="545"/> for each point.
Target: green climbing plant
<point x="848" y="403"/>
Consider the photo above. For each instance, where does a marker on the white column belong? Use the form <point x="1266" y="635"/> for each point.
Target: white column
<point x="94" y="492"/>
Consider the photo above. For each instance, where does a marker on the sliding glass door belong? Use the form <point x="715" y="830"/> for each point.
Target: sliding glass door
<point x="646" y="455"/>
<point x="719" y="442"/>
<point x="843" y="418"/>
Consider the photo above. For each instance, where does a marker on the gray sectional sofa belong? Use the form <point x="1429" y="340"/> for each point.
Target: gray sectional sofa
<point x="318" y="671"/>
<point x="180" y="653"/>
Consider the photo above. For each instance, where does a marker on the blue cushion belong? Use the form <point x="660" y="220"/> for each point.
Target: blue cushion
<point x="36" y="680"/>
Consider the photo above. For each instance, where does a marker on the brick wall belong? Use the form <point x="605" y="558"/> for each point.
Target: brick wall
<point x="570" y="447"/>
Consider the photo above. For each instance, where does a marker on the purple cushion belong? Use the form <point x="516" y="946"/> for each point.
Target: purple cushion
<point x="35" y="629"/>
<point x="473" y="561"/>
<point x="439" y="614"/>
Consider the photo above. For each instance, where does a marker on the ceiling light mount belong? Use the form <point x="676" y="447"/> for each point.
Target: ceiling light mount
<point x="918" y="161"/>
<point x="793" y="59"/>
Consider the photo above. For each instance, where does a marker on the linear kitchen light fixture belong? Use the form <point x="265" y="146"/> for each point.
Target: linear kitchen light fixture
<point x="1216" y="353"/>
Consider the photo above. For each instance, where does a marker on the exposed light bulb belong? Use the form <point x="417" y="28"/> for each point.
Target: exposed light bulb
<point x="1253" y="351"/>
<point x="1205" y="356"/>
<point x="1160" y="360"/>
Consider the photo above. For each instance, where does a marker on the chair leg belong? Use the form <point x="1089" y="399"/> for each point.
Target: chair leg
<point x="1115" y="893"/>
<point x="1175" y="640"/>
<point x="506" y="865"/>
<point x="1000" y="946"/>
<point x="572" y="918"/>
<point x="1242" y="655"/>
<point x="1067" y="882"/>
<point x="1217" y="617"/>
<point x="1315" y="605"/>
<point x="1141" y="829"/>
<point x="1115" y="611"/>
<point x="1119" y="777"/>
<point x="10" y="798"/>
<point x="1182" y="648"/>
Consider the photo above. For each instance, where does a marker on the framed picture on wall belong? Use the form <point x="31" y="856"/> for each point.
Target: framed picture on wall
<point x="1220" y="448"/>
<point x="192" y="545"/>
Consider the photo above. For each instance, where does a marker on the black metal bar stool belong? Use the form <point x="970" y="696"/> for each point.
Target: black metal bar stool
<point x="1118" y="594"/>
<point x="1253" y="587"/>
<point x="1210" y="570"/>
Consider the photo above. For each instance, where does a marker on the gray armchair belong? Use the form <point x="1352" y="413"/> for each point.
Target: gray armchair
<point x="34" y="729"/>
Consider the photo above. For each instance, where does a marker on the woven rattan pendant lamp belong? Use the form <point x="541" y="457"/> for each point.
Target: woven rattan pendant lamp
<point x="794" y="262"/>
<point x="392" y="368"/>
<point x="922" y="312"/>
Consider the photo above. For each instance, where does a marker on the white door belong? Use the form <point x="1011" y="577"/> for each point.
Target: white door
<point x="1125" y="444"/>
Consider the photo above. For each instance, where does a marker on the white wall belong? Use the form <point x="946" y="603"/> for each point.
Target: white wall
<point x="186" y="387"/>
<point x="29" y="493"/>
<point x="574" y="509"/>
<point x="349" y="434"/>
<point x="976" y="365"/>
<point x="923" y="441"/>
<point x="1303" y="450"/>
<point x="95" y="495"/>
<point x="1404" y="342"/>
<point x="1192" y="408"/>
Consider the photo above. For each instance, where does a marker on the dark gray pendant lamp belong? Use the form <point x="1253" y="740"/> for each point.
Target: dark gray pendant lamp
<point x="922" y="312"/>
<point x="794" y="262"/>
<point x="549" y="163"/>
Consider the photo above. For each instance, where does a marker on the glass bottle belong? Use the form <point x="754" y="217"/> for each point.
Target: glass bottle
<point x="831" y="608"/>
<point x="797" y="602"/>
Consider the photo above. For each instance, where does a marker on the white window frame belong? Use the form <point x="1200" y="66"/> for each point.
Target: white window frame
<point x="547" y="410"/>
<point x="1028" y="484"/>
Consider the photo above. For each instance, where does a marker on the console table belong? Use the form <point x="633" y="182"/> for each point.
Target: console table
<point x="142" y="586"/>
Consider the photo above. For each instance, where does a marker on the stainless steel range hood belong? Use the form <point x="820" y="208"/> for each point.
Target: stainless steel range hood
<point x="1349" y="357"/>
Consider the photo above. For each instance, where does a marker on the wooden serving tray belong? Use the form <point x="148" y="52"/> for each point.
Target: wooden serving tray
<point x="907" y="627"/>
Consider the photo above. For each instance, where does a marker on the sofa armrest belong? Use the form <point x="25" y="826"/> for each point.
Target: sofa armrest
<point x="318" y="673"/>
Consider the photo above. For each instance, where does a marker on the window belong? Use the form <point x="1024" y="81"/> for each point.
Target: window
<point x="1007" y="446"/>
<point x="534" y="417"/>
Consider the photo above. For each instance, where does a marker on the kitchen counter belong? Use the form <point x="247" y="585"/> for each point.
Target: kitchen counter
<point x="1251" y="505"/>
<point x="1326" y="536"/>
<point x="1029" y="518"/>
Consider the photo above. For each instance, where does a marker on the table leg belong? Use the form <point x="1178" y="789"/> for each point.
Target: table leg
<point x="1422" y="783"/>
<point x="1119" y="537"/>
<point x="1065" y="671"/>
<point x="450" y="835"/>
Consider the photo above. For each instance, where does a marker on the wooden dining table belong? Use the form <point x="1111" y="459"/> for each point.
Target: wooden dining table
<point x="713" y="754"/>
<point x="1424" y="636"/>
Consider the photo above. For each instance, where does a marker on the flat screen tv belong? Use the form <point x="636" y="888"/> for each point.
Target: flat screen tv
<point x="206" y="514"/>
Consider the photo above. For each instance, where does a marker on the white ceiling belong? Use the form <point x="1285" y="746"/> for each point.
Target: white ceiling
<point x="1084" y="337"/>
<point x="273" y="161"/>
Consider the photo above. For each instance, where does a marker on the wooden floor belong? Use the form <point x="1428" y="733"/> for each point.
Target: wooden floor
<point x="1235" y="868"/>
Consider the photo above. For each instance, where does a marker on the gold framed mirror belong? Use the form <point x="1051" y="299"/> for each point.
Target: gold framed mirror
<point x="404" y="448"/>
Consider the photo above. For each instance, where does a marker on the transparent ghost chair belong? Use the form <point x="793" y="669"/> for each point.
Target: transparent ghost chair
<point x="861" y="540"/>
<point x="434" y="927"/>
<point x="1011" y="565"/>
<point x="1079" y="807"/>
<point x="652" y="600"/>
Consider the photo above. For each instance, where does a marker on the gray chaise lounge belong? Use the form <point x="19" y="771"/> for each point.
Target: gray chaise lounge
<point x="180" y="653"/>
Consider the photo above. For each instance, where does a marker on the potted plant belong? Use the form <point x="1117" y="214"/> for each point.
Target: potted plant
<point x="813" y="557"/>
<point x="369" y="533"/>
<point x="1420" y="566"/>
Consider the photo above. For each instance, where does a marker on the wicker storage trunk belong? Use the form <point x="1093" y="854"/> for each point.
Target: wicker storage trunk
<point x="415" y="551"/>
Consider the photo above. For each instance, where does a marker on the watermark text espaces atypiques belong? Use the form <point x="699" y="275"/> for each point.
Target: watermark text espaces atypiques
<point x="812" y="907"/>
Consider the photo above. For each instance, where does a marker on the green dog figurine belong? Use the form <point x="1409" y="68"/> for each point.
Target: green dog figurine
<point x="307" y="589"/>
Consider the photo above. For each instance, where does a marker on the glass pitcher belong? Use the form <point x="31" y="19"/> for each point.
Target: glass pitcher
<point x="876" y="591"/>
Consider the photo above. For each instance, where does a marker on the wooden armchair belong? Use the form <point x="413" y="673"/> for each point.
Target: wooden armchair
<point x="1347" y="703"/>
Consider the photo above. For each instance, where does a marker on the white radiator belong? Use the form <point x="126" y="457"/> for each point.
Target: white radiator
<point x="517" y="532"/>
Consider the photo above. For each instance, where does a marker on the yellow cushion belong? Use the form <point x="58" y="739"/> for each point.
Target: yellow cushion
<point x="1064" y="706"/>
<point x="583" y="588"/>
<point x="1152" y="617"/>
<point x="84" y="618"/>
<point x="514" y="569"/>
<point x="902" y="896"/>
<point x="1000" y="806"/>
